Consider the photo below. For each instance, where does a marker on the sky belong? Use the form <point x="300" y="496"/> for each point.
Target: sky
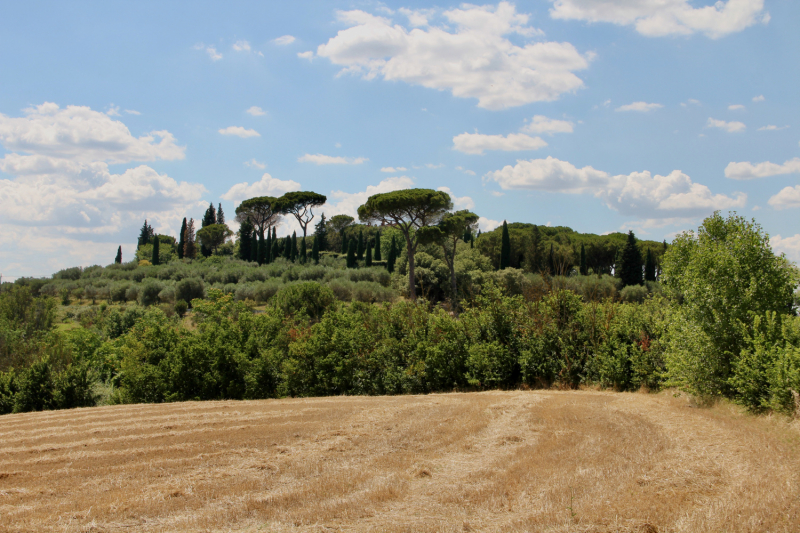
<point x="600" y="115"/>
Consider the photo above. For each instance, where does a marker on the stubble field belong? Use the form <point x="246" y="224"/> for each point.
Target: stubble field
<point x="579" y="461"/>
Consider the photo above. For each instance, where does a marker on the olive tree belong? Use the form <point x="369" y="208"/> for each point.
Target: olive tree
<point x="214" y="235"/>
<point x="450" y="229"/>
<point x="724" y="275"/>
<point x="408" y="210"/>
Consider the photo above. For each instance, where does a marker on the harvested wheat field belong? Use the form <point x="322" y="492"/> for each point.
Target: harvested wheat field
<point x="493" y="461"/>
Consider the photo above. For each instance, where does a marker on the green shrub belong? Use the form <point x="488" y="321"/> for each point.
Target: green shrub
<point x="307" y="298"/>
<point x="149" y="291"/>
<point x="181" y="307"/>
<point x="190" y="288"/>
<point x="633" y="293"/>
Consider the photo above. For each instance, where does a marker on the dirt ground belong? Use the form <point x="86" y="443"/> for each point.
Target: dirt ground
<point x="497" y="461"/>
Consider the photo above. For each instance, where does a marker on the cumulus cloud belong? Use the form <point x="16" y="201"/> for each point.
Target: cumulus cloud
<point x="759" y="98"/>
<point x="459" y="202"/>
<point x="256" y="111"/>
<point x="541" y="124"/>
<point x="306" y="55"/>
<point x="747" y="170"/>
<point x="772" y="127"/>
<point x="642" y="107"/>
<point x="255" y="164"/>
<point x="786" y="198"/>
<point x="787" y="245"/>
<point x="344" y="203"/>
<point x="736" y="107"/>
<point x="487" y="224"/>
<point x="62" y="189"/>
<point x="730" y="127"/>
<point x="210" y="50"/>
<point x="266" y="186"/>
<point x="393" y="169"/>
<point x="132" y="112"/>
<point x="638" y="194"/>
<point x="284" y="40"/>
<point x="241" y="46"/>
<point x="469" y="55"/>
<point x="476" y="143"/>
<point x="658" y="18"/>
<point x="239" y="131"/>
<point x="321" y="159"/>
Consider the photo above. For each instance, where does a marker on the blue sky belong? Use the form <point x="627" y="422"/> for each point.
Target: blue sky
<point x="601" y="115"/>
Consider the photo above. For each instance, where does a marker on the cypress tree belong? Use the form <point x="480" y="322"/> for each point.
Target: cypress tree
<point x="368" y="257"/>
<point x="377" y="254"/>
<point x="293" y="244"/>
<point x="649" y="266"/>
<point x="181" y="242"/>
<point x="303" y="251"/>
<point x="392" y="259"/>
<point x="351" y="254"/>
<point x="145" y="234"/>
<point x="156" y="247"/>
<point x="584" y="270"/>
<point x="551" y="261"/>
<point x="189" y="248"/>
<point x="260" y="255"/>
<point x="254" y="247"/>
<point x="344" y="242"/>
<point x="631" y="268"/>
<point x="505" y="248"/>
<point x="118" y="259"/>
<point x="321" y="234"/>
<point x="276" y="249"/>
<point x="287" y="247"/>
<point x="315" y="250"/>
<point x="210" y="216"/>
<point x="245" y="239"/>
<point x="220" y="215"/>
<point x="268" y="248"/>
<point x="360" y="247"/>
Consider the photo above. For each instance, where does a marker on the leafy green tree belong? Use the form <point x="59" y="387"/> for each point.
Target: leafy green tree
<point x="209" y="219"/>
<point x="505" y="248"/>
<point x="263" y="212"/>
<point x="377" y="255"/>
<point x="156" y="248"/>
<point x="145" y="234"/>
<point x="214" y="235"/>
<point x="551" y="261"/>
<point x="726" y="275"/>
<point x="300" y="204"/>
<point x="118" y="259"/>
<point x="450" y="229"/>
<point x="351" y="253"/>
<point x="181" y="242"/>
<point x="245" y="240"/>
<point x="631" y="262"/>
<point x="408" y="210"/>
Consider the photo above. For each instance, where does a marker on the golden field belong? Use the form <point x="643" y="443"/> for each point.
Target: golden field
<point x="580" y="461"/>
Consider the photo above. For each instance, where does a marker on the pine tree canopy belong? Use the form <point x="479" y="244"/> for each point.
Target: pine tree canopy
<point x="299" y="204"/>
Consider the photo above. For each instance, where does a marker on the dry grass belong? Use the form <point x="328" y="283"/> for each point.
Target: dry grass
<point x="496" y="461"/>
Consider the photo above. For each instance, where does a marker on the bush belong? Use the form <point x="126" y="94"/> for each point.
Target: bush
<point x="190" y="288"/>
<point x="633" y="293"/>
<point x="306" y="298"/>
<point x="264" y="291"/>
<point x="132" y="294"/>
<point x="181" y="307"/>
<point x="148" y="294"/>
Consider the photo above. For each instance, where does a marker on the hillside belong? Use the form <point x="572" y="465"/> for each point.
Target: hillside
<point x="493" y="461"/>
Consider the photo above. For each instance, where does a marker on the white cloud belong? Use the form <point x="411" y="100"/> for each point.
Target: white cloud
<point x="657" y="18"/>
<point x="541" y="124"/>
<point x="344" y="203"/>
<point x="306" y="55"/>
<point x="212" y="53"/>
<point x="241" y="46"/>
<point x="459" y="202"/>
<point x="255" y="164"/>
<point x="642" y="107"/>
<point x="239" y="131"/>
<point x="321" y="159"/>
<point x="284" y="40"/>
<point x="79" y="134"/>
<point x="787" y="245"/>
<point x="772" y="127"/>
<point x="113" y="111"/>
<point x="469" y="56"/>
<point x="497" y="193"/>
<point x="393" y="169"/>
<point x="256" y="111"/>
<point x="639" y="193"/>
<point x="466" y="171"/>
<point x="759" y="98"/>
<point x="730" y="127"/>
<point x="476" y="143"/>
<point x="787" y="197"/>
<point x="132" y="112"/>
<point x="266" y="186"/>
<point x="735" y="107"/>
<point x="487" y="224"/>
<point x="431" y="165"/>
<point x="747" y="170"/>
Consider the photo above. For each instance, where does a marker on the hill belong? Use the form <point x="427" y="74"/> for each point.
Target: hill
<point x="493" y="461"/>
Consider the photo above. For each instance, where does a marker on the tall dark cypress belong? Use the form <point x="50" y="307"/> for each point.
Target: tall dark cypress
<point x="631" y="268"/>
<point x="377" y="254"/>
<point x="505" y="248"/>
<point x="351" y="254"/>
<point x="287" y="247"/>
<point x="293" y="250"/>
<point x="321" y="233"/>
<point x="315" y="250"/>
<point x="551" y="261"/>
<point x="254" y="247"/>
<point x="118" y="259"/>
<point x="261" y="248"/>
<point x="210" y="216"/>
<point x="584" y="270"/>
<point x="268" y="249"/>
<point x="360" y="245"/>
<point x="220" y="215"/>
<point x="145" y="234"/>
<point x="276" y="249"/>
<point x="345" y="241"/>
<point x="392" y="258"/>
<point x="245" y="239"/>
<point x="156" y="249"/>
<point x="303" y="251"/>
<point x="181" y="242"/>
<point x="368" y="256"/>
<point x="649" y="266"/>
